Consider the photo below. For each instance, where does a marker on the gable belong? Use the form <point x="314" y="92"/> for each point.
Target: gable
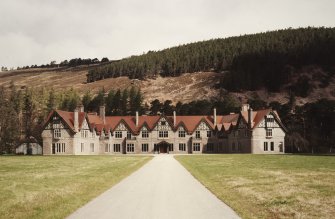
<point x="55" y="122"/>
<point x="121" y="127"/>
<point x="269" y="121"/>
<point x="85" y="126"/>
<point x="162" y="125"/>
<point x="202" y="126"/>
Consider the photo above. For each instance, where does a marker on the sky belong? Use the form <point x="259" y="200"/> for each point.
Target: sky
<point x="41" y="31"/>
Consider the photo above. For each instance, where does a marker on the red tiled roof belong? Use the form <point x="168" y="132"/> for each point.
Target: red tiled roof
<point x="68" y="118"/>
<point x="190" y="123"/>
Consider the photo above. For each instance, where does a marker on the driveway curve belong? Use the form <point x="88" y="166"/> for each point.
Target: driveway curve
<point x="162" y="188"/>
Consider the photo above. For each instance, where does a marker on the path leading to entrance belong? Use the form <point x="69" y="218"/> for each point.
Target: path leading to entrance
<point x="162" y="188"/>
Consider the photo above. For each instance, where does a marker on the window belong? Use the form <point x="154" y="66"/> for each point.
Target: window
<point x="270" y="119"/>
<point x="92" y="147"/>
<point x="128" y="135"/>
<point x="266" y="146"/>
<point x="82" y="145"/>
<point x="118" y="134"/>
<point x="59" y="148"/>
<point x="130" y="147"/>
<point x="268" y="132"/>
<point x="163" y="134"/>
<point x="181" y="134"/>
<point x="196" y="146"/>
<point x="117" y="147"/>
<point x="86" y="133"/>
<point x="145" y="147"/>
<point x="163" y="123"/>
<point x="170" y="147"/>
<point x="82" y="133"/>
<point x="281" y="147"/>
<point x="272" y="146"/>
<point x="210" y="147"/>
<point x="209" y="134"/>
<point x="197" y="134"/>
<point x="107" y="148"/>
<point x="233" y="146"/>
<point x="57" y="133"/>
<point x="182" y="146"/>
<point x="145" y="134"/>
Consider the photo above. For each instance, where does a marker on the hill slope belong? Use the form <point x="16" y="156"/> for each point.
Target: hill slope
<point x="185" y="88"/>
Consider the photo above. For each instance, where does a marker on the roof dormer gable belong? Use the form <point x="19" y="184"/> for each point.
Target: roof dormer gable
<point x="163" y="125"/>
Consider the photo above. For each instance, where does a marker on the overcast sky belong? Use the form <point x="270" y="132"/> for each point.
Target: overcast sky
<point x="39" y="31"/>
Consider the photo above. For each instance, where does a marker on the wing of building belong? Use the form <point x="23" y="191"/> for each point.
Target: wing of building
<point x="80" y="133"/>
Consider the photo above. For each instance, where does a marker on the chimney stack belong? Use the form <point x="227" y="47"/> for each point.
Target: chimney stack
<point x="102" y="114"/>
<point x="136" y="118"/>
<point x="174" y="118"/>
<point x="215" y="122"/>
<point x="250" y="117"/>
<point x="76" y="120"/>
<point x="81" y="108"/>
<point x="245" y="107"/>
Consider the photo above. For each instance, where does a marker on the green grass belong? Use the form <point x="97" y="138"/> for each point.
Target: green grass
<point x="269" y="186"/>
<point x="55" y="186"/>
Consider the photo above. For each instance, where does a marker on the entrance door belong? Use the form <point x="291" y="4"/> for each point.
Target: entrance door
<point x="163" y="148"/>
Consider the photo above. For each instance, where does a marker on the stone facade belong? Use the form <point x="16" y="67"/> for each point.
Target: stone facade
<point x="78" y="133"/>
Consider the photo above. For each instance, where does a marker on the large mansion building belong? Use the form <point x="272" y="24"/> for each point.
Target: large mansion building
<point x="80" y="133"/>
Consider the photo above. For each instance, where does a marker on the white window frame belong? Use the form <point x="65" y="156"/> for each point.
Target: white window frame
<point x="182" y="147"/>
<point x="57" y="133"/>
<point x="266" y="146"/>
<point x="117" y="147"/>
<point x="197" y="135"/>
<point x="130" y="148"/>
<point x="163" y="134"/>
<point x="269" y="132"/>
<point x="181" y="133"/>
<point x="145" y="147"/>
<point x="145" y="134"/>
<point x="118" y="134"/>
<point x="196" y="146"/>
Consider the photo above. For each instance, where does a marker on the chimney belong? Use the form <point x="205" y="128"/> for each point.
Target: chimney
<point x="215" y="122"/>
<point x="76" y="120"/>
<point x="102" y="114"/>
<point x="136" y="118"/>
<point x="81" y="108"/>
<point x="250" y="117"/>
<point x="245" y="107"/>
<point x="174" y="118"/>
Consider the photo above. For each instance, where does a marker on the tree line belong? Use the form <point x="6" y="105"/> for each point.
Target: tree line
<point x="23" y="112"/>
<point x="250" y="62"/>
<point x="66" y="63"/>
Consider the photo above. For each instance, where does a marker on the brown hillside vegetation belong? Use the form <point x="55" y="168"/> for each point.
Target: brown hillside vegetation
<point x="185" y="88"/>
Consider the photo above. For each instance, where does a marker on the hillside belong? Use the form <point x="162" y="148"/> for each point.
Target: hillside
<point x="264" y="60"/>
<point x="185" y="88"/>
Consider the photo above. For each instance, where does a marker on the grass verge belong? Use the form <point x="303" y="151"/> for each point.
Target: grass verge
<point x="269" y="186"/>
<point x="55" y="186"/>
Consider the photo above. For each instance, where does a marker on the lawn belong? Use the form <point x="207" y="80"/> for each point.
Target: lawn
<point x="55" y="186"/>
<point x="269" y="186"/>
